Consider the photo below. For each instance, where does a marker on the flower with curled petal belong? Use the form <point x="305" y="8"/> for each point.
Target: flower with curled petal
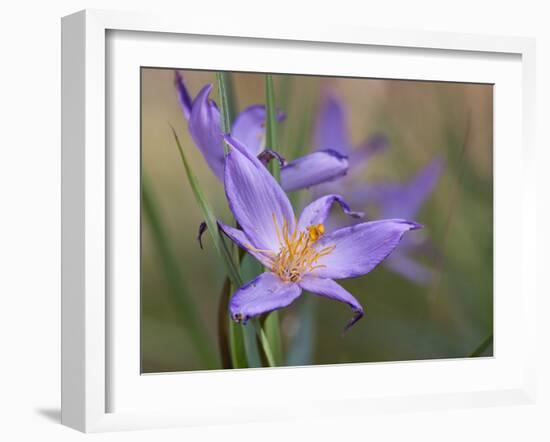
<point x="393" y="200"/>
<point x="249" y="128"/>
<point x="298" y="254"/>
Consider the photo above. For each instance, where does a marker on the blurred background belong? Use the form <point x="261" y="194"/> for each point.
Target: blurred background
<point x="448" y="318"/>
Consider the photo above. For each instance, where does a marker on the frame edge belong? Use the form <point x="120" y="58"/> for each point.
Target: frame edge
<point x="83" y="199"/>
<point x="73" y="80"/>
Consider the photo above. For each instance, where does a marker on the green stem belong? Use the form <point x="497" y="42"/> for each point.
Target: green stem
<point x="227" y="100"/>
<point x="183" y="302"/>
<point x="241" y="340"/>
<point x="210" y="219"/>
<point x="302" y="134"/>
<point x="270" y="335"/>
<point x="239" y="358"/>
<point x="300" y="347"/>
<point x="273" y="333"/>
<point x="271" y="125"/>
<point x="285" y="95"/>
<point x="266" y="343"/>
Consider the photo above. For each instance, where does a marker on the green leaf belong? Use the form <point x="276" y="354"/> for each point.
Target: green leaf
<point x="237" y="344"/>
<point x="266" y="344"/>
<point x="250" y="268"/>
<point x="227" y="100"/>
<point x="285" y="93"/>
<point x="285" y="103"/>
<point x="269" y="334"/>
<point x="210" y="219"/>
<point x="239" y="356"/>
<point x="238" y="334"/>
<point x="302" y="135"/>
<point x="482" y="347"/>
<point x="243" y="338"/>
<point x="300" y="351"/>
<point x="183" y="301"/>
<point x="269" y="338"/>
<point x="271" y="125"/>
<point x="273" y="334"/>
<point x="230" y="338"/>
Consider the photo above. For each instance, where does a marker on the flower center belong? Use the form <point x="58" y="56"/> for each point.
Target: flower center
<point x="297" y="256"/>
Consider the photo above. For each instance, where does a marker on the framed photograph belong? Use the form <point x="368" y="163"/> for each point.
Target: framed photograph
<point x="268" y="222"/>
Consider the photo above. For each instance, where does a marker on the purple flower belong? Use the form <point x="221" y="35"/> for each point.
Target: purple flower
<point x="331" y="132"/>
<point x="297" y="253"/>
<point x="405" y="200"/>
<point x="394" y="200"/>
<point x="248" y="128"/>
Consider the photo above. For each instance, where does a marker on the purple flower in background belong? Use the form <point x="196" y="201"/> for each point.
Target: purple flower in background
<point x="405" y="200"/>
<point x="393" y="200"/>
<point x="204" y="121"/>
<point x="297" y="253"/>
<point x="331" y="131"/>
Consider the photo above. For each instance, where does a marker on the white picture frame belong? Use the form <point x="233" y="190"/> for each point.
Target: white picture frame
<point x="90" y="359"/>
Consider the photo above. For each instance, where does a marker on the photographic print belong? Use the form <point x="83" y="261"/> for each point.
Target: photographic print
<point x="296" y="220"/>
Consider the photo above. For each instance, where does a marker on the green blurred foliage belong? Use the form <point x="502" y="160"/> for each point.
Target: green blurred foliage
<point x="403" y="321"/>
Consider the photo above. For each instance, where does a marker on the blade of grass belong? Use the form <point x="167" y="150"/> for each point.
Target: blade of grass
<point x="237" y="337"/>
<point x="266" y="344"/>
<point x="482" y="347"/>
<point x="300" y="350"/>
<point x="210" y="219"/>
<point x="229" y="256"/>
<point x="301" y="346"/>
<point x="250" y="268"/>
<point x="272" y="331"/>
<point x="270" y="335"/>
<point x="242" y="338"/>
<point x="285" y="92"/>
<point x="239" y="356"/>
<point x="454" y="201"/>
<point x="231" y="347"/>
<point x="303" y="133"/>
<point x="183" y="301"/>
<point x="271" y="125"/>
<point x="285" y="102"/>
<point x="227" y="111"/>
<point x="227" y="100"/>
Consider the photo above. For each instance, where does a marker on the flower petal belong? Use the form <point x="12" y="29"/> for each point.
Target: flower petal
<point x="205" y="129"/>
<point x="371" y="146"/>
<point x="405" y="200"/>
<point x="360" y="248"/>
<point x="317" y="211"/>
<point x="257" y="201"/>
<point x="240" y="238"/>
<point x="183" y="96"/>
<point x="330" y="289"/>
<point x="331" y="130"/>
<point x="249" y="127"/>
<point x="315" y="168"/>
<point x="410" y="269"/>
<point x="262" y="295"/>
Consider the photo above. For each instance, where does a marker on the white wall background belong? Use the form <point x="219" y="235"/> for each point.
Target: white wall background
<point x="30" y="219"/>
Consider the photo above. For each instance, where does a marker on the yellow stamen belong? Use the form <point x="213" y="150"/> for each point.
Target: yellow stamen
<point x="297" y="254"/>
<point x="316" y="231"/>
<point x="254" y="249"/>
